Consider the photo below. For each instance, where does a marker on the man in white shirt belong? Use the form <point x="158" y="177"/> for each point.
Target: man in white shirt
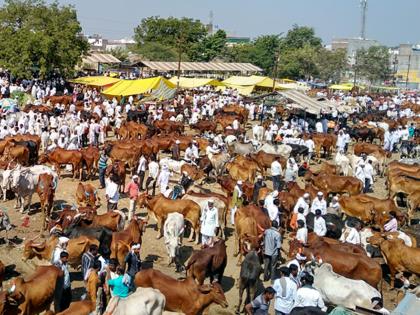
<point x="351" y="235"/>
<point x="368" y="177"/>
<point x="111" y="193"/>
<point x="319" y="203"/>
<point x="276" y="172"/>
<point x="360" y="174"/>
<point x="308" y="295"/>
<point x="310" y="144"/>
<point x="320" y="228"/>
<point x="153" y="175"/>
<point x="141" y="171"/>
<point x="303" y="202"/>
<point x="286" y="291"/>
<point x="318" y="127"/>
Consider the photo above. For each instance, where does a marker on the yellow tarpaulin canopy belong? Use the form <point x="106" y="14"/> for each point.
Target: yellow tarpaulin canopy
<point x="344" y="86"/>
<point x="96" y="81"/>
<point x="190" y="83"/>
<point x="246" y="85"/>
<point x="142" y="86"/>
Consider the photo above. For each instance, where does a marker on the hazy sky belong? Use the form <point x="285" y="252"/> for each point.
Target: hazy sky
<point x="389" y="21"/>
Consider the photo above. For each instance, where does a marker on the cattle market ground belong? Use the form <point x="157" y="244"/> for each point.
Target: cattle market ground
<point x="153" y="252"/>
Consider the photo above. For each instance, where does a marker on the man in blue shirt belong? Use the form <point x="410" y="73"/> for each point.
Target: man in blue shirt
<point x="119" y="289"/>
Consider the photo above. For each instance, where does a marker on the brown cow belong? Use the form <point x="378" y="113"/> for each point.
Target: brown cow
<point x="228" y="185"/>
<point x="346" y="247"/>
<point x="59" y="157"/>
<point x="86" y="196"/>
<point x="76" y="247"/>
<point x="350" y="265"/>
<point x="18" y="153"/>
<point x="193" y="171"/>
<point x="129" y="155"/>
<point x="131" y="235"/>
<point x="209" y="261"/>
<point x="159" y="207"/>
<point x="91" y="159"/>
<point x="370" y="148"/>
<point x="79" y="308"/>
<point x="205" y="125"/>
<point x="250" y="224"/>
<point x="335" y="184"/>
<point x="184" y="296"/>
<point x="117" y="168"/>
<point x="398" y="256"/>
<point x="264" y="160"/>
<point x="46" y="190"/>
<point x="239" y="172"/>
<point x="38" y="291"/>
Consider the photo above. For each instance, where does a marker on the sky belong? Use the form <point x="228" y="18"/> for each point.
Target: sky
<point x="391" y="22"/>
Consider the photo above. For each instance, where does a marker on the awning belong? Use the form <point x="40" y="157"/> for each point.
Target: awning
<point x="96" y="81"/>
<point x="344" y="86"/>
<point x="202" y="66"/>
<point x="246" y="85"/>
<point x="158" y="86"/>
<point x="101" y="58"/>
<point x="190" y="83"/>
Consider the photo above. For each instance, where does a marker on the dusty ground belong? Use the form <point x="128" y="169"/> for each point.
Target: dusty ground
<point x="153" y="251"/>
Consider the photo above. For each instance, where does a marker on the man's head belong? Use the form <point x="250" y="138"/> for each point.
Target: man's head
<point x="135" y="178"/>
<point x="320" y="195"/>
<point x="318" y="213"/>
<point x="269" y="293"/>
<point x="64" y="257"/>
<point x="284" y="271"/>
<point x="308" y="279"/>
<point x="93" y="249"/>
<point x="113" y="264"/>
<point x="306" y="196"/>
<point x="294" y="270"/>
<point x="300" y="224"/>
<point x="275" y="224"/>
<point x="259" y="178"/>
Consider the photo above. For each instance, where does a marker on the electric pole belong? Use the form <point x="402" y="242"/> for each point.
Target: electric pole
<point x="363" y="5"/>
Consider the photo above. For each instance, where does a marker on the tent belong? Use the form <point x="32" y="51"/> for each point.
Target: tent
<point x="158" y="87"/>
<point x="99" y="81"/>
<point x="190" y="83"/>
<point x="344" y="86"/>
<point x="246" y="85"/>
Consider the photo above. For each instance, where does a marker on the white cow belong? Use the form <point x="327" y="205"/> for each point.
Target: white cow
<point x="282" y="149"/>
<point x="343" y="163"/>
<point x="22" y="182"/>
<point x="230" y="139"/>
<point x="258" y="133"/>
<point x="144" y="301"/>
<point x="340" y="290"/>
<point x="173" y="229"/>
<point x="174" y="166"/>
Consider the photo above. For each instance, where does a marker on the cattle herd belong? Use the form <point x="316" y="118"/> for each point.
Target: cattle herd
<point x="52" y="194"/>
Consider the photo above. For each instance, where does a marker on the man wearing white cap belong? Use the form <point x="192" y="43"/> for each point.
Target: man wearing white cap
<point x="303" y="202"/>
<point x="257" y="186"/>
<point x="176" y="150"/>
<point x="270" y="205"/>
<point x="319" y="203"/>
<point x="276" y="172"/>
<point x="163" y="179"/>
<point x="209" y="223"/>
<point x="236" y="201"/>
<point x="299" y="261"/>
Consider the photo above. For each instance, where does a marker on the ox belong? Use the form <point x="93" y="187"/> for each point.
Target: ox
<point x="59" y="157"/>
<point x="39" y="291"/>
<point x="339" y="290"/>
<point x="173" y="230"/>
<point x="46" y="190"/>
<point x="184" y="296"/>
<point x="86" y="196"/>
<point x="76" y="247"/>
<point x="144" y="301"/>
<point x="21" y="182"/>
<point x="208" y="262"/>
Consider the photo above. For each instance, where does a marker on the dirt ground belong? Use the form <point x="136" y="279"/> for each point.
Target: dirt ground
<point x="153" y="251"/>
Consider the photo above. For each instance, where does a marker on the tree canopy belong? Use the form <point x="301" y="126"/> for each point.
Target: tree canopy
<point x="172" y="35"/>
<point x="373" y="64"/>
<point x="37" y="38"/>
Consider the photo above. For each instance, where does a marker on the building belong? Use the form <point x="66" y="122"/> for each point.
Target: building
<point x="408" y="66"/>
<point x="119" y="43"/>
<point x="237" y="40"/>
<point x="352" y="45"/>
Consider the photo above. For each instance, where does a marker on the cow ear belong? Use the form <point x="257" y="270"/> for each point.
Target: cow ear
<point x="205" y="288"/>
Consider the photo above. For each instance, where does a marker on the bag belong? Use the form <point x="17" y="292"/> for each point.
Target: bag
<point x="293" y="221"/>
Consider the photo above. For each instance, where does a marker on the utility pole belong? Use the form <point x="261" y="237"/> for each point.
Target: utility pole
<point x="363" y="5"/>
<point x="408" y="70"/>
<point x="276" y="62"/>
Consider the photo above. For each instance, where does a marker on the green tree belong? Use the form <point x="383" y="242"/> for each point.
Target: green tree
<point x="209" y="47"/>
<point x="373" y="64"/>
<point x="298" y="63"/>
<point x="331" y="64"/>
<point x="156" y="52"/>
<point x="37" y="38"/>
<point x="299" y="37"/>
<point x="119" y="53"/>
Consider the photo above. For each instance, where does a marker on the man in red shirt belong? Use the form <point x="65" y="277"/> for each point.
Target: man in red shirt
<point x="132" y="189"/>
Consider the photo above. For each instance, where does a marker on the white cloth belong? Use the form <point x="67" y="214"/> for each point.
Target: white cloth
<point x="319" y="204"/>
<point x="276" y="168"/>
<point x="163" y="180"/>
<point x="301" y="203"/>
<point x="153" y="169"/>
<point x="308" y="296"/>
<point x="353" y="237"/>
<point x="302" y="235"/>
<point x="209" y="221"/>
<point x="320" y="228"/>
<point x="111" y="189"/>
<point x="284" y="300"/>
